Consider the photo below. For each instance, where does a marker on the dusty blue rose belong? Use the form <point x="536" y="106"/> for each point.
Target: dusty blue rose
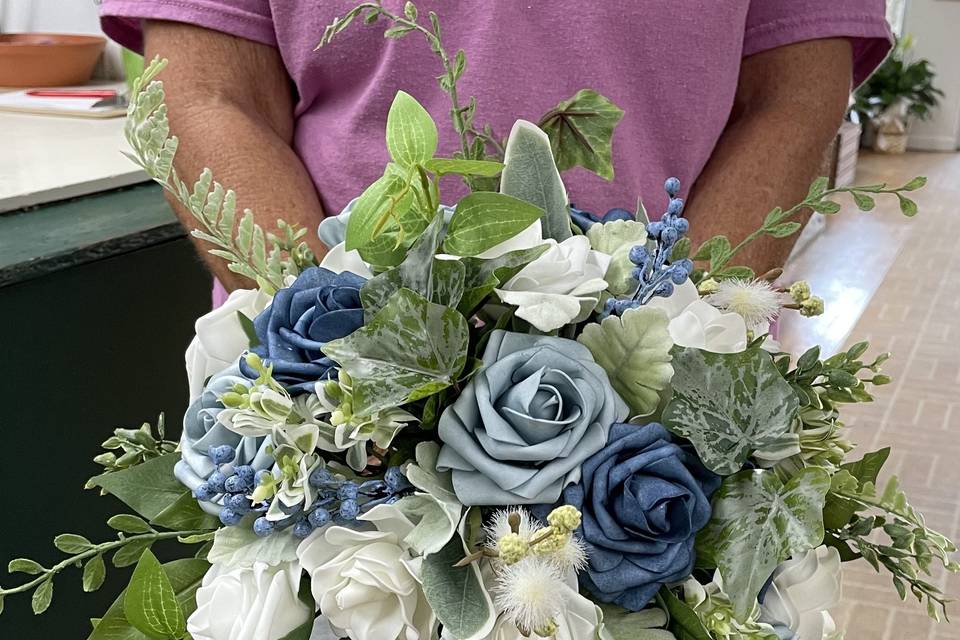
<point x="318" y="307"/>
<point x="643" y="499"/>
<point x="527" y="420"/>
<point x="201" y="430"/>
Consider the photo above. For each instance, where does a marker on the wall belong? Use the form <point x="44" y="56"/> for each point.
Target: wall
<point x="934" y="25"/>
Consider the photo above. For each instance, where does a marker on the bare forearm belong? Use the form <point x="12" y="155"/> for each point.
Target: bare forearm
<point x="221" y="125"/>
<point x="773" y="147"/>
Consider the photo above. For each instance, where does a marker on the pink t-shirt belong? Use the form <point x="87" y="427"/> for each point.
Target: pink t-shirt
<point x="672" y="66"/>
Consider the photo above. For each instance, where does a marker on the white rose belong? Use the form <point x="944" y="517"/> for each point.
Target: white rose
<point x="803" y="589"/>
<point x="560" y="287"/>
<point x="248" y="602"/>
<point x="338" y="260"/>
<point x="367" y="582"/>
<point x="220" y="337"/>
<point x="697" y="324"/>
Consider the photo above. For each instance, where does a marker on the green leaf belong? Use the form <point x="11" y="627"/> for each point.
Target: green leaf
<point x="773" y="217"/>
<point x="129" y="524"/>
<point x="24" y="565"/>
<point x="917" y="183"/>
<point x="42" y="597"/>
<point x="757" y="523"/>
<point x="713" y="249"/>
<point x="411" y="349"/>
<point x="411" y="132"/>
<point x="784" y="229"/>
<point x="248" y="329"/>
<point x="827" y="207"/>
<point x="72" y="543"/>
<point x="150" y="603"/>
<point x="623" y="624"/>
<point x="130" y="553"/>
<point x="389" y="196"/>
<point x="93" y="573"/>
<point x="682" y="617"/>
<point x="185" y="577"/>
<point x="838" y="510"/>
<point x="581" y="132"/>
<point x="240" y="546"/>
<point x="484" y="219"/>
<point x="634" y="350"/>
<point x="456" y="594"/>
<point x="185" y="513"/>
<point x="818" y="187"/>
<point x="907" y="206"/>
<point x="742" y="273"/>
<point x="867" y="469"/>
<point x="864" y="202"/>
<point x="531" y="175"/>
<point x="483" y="276"/>
<point x="480" y="168"/>
<point x="728" y="405"/>
<point x="615" y="239"/>
<point x="147" y="488"/>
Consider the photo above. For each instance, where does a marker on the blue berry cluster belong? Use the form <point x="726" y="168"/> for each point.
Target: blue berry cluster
<point x="228" y="485"/>
<point x="655" y="275"/>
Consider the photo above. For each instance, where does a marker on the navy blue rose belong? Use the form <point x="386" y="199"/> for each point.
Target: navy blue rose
<point x="643" y="499"/>
<point x="320" y="306"/>
<point x="586" y="219"/>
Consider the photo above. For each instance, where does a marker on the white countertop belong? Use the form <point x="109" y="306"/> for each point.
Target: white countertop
<point x="48" y="158"/>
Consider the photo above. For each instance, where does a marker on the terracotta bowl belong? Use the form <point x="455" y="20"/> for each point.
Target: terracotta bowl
<point x="47" y="59"/>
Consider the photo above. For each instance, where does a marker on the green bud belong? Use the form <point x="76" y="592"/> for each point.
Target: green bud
<point x="708" y="286"/>
<point x="880" y="379"/>
<point x="106" y="459"/>
<point x="800" y="291"/>
<point x="254" y="361"/>
<point x="410" y="10"/>
<point x="232" y="400"/>
<point x="812" y="306"/>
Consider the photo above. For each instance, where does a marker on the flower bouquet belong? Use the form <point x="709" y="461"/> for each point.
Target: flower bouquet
<point x="505" y="419"/>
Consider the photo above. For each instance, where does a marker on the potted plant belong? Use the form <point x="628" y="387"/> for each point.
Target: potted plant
<point x="901" y="89"/>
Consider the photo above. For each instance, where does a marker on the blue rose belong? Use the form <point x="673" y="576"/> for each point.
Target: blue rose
<point x="525" y="423"/>
<point x="643" y="499"/>
<point x="202" y="430"/>
<point x="586" y="219"/>
<point x="320" y="306"/>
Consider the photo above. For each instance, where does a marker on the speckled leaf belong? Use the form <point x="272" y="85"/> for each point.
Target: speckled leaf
<point x="757" y="523"/>
<point x="728" y="404"/>
<point x="411" y="349"/>
<point x="530" y="174"/>
<point x="457" y="594"/>
<point x="634" y="350"/>
<point x="581" y="132"/>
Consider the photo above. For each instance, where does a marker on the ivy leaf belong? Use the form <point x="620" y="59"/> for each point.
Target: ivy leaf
<point x="456" y="594"/>
<point x="150" y="603"/>
<point x="185" y="577"/>
<point x="411" y="349"/>
<point x="759" y="522"/>
<point x="411" y="132"/>
<point x="484" y="219"/>
<point x="530" y="174"/>
<point x="435" y="507"/>
<point x="480" y="168"/>
<point x="40" y="601"/>
<point x="634" y="350"/>
<point x="482" y="276"/>
<point x="240" y="546"/>
<point x="728" y="405"/>
<point x="93" y="573"/>
<point x="581" y="132"/>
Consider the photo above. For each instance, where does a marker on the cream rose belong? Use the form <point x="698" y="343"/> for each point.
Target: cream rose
<point x="802" y="590"/>
<point x="366" y="582"/>
<point x="697" y="324"/>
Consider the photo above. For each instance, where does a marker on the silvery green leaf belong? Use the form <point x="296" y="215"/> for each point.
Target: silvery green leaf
<point x="484" y="219"/>
<point x="615" y="239"/>
<point x="622" y="624"/>
<point x="581" y="132"/>
<point x="150" y="603"/>
<point x="40" y="601"/>
<point x="481" y="168"/>
<point x="411" y="132"/>
<point x="240" y="546"/>
<point x="93" y="573"/>
<point x="531" y="174"/>
<point x="634" y="350"/>
<point x="411" y="349"/>
<point x="728" y="404"/>
<point x="435" y="507"/>
<point x="457" y="594"/>
<point x="759" y="522"/>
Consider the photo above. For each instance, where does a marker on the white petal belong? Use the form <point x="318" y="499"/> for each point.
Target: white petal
<point x="338" y="260"/>
<point x="526" y="239"/>
<point x="683" y="296"/>
<point x="545" y="311"/>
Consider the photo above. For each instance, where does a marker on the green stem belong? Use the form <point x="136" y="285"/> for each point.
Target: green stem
<point x="95" y="550"/>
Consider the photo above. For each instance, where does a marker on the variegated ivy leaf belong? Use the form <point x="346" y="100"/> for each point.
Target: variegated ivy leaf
<point x="483" y="276"/>
<point x="531" y="174"/>
<point x="581" y="132"/>
<point x="615" y="239"/>
<point x="757" y="523"/>
<point x="411" y="349"/>
<point x="634" y="350"/>
<point x="728" y="405"/>
<point x="434" y="507"/>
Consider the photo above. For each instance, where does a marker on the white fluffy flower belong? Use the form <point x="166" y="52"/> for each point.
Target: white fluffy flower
<point x="366" y="582"/>
<point x="248" y="602"/>
<point x="530" y="593"/>
<point x="803" y="588"/>
<point x="695" y="323"/>
<point x="560" y="287"/>
<point x="338" y="260"/>
<point x="755" y="300"/>
<point x="220" y="337"/>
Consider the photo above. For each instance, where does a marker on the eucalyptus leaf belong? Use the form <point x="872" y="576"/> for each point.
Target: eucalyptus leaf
<point x="581" y="132"/>
<point x="411" y="349"/>
<point x="634" y="350"/>
<point x="530" y="174"/>
<point x="484" y="219"/>
<point x="456" y="594"/>
<point x="728" y="405"/>
<point x="411" y="132"/>
<point x="150" y="602"/>
<point x="757" y="523"/>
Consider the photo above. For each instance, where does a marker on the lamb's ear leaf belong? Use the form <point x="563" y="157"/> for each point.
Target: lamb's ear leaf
<point x="457" y="594"/>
